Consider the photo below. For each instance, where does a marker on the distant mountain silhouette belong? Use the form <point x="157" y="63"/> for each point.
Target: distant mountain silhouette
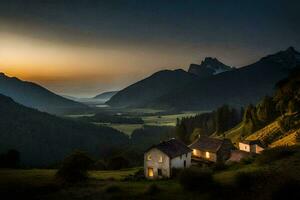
<point x="208" y="67"/>
<point x="106" y="95"/>
<point x="148" y="90"/>
<point x="236" y="87"/>
<point x="43" y="139"/>
<point x="35" y="96"/>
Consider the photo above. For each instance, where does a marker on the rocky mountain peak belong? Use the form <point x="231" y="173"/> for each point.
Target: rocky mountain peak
<point x="208" y="67"/>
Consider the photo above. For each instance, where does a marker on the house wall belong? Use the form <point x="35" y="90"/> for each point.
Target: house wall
<point x="224" y="151"/>
<point x="202" y="154"/>
<point x="244" y="147"/>
<point x="178" y="162"/>
<point x="256" y="148"/>
<point x="155" y="164"/>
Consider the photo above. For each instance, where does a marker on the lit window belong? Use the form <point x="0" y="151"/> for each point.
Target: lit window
<point x="207" y="154"/>
<point x="194" y="152"/>
<point x="150" y="172"/>
<point x="149" y="157"/>
<point x="160" y="159"/>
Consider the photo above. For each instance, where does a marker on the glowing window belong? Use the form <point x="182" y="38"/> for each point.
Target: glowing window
<point x="207" y="154"/>
<point x="149" y="157"/>
<point x="150" y="172"/>
<point x="194" y="152"/>
<point x="160" y="159"/>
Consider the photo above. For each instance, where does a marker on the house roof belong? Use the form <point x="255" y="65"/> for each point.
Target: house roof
<point x="207" y="144"/>
<point x="172" y="148"/>
<point x="252" y="142"/>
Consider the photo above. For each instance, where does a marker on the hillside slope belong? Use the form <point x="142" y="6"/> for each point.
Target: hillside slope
<point x="43" y="139"/>
<point x="275" y="120"/>
<point x="147" y="90"/>
<point x="35" y="96"/>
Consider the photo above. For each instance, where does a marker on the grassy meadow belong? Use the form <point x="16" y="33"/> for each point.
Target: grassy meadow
<point x="150" y="117"/>
<point x="42" y="184"/>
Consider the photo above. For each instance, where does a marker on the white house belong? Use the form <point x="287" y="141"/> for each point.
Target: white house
<point x="252" y="146"/>
<point x="159" y="160"/>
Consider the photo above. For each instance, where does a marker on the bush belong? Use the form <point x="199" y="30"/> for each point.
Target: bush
<point x="137" y="176"/>
<point x="117" y="163"/>
<point x="10" y="159"/>
<point x="99" y="165"/>
<point x="152" y="189"/>
<point x="288" y="188"/>
<point x="219" y="166"/>
<point x="113" y="189"/>
<point x="196" y="179"/>
<point x="247" y="160"/>
<point x="176" y="172"/>
<point x="265" y="184"/>
<point x="275" y="154"/>
<point x="74" y="167"/>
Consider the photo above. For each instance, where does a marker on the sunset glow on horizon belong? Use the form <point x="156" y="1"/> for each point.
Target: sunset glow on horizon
<point x="80" y="48"/>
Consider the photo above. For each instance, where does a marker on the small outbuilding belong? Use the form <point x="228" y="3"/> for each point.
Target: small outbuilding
<point x="238" y="155"/>
<point x="159" y="160"/>
<point x="211" y="149"/>
<point x="252" y="146"/>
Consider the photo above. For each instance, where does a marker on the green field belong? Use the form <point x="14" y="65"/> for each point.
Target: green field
<point x="167" y="120"/>
<point x="155" y="119"/>
<point x="41" y="184"/>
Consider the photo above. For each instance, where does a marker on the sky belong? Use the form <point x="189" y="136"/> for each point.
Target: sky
<point x="83" y="48"/>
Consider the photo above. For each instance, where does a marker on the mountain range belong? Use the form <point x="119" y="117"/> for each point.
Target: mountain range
<point x="35" y="96"/>
<point x="209" y="85"/>
<point x="208" y="67"/>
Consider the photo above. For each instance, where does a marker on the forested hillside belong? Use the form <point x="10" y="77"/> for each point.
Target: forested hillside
<point x="35" y="96"/>
<point x="43" y="139"/>
<point x="274" y="120"/>
<point x="211" y="123"/>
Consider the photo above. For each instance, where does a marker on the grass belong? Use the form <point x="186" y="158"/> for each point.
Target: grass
<point x="41" y="183"/>
<point x="155" y="120"/>
<point x="126" y="128"/>
<point x="116" y="175"/>
<point x="30" y="182"/>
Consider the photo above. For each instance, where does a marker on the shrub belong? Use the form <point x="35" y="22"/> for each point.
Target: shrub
<point x="247" y="160"/>
<point x="99" y="165"/>
<point x="176" y="172"/>
<point x="137" y="176"/>
<point x="248" y="181"/>
<point x="274" y="154"/>
<point x="113" y="189"/>
<point x="152" y="189"/>
<point x="288" y="188"/>
<point x="74" y="167"/>
<point x="117" y="163"/>
<point x="196" y="179"/>
<point x="10" y="159"/>
<point x="219" y="166"/>
<point x="265" y="184"/>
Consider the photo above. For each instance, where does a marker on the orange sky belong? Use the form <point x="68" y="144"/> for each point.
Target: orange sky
<point x="77" y="70"/>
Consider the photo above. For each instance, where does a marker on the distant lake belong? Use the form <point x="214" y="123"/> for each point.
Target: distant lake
<point x="102" y="106"/>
